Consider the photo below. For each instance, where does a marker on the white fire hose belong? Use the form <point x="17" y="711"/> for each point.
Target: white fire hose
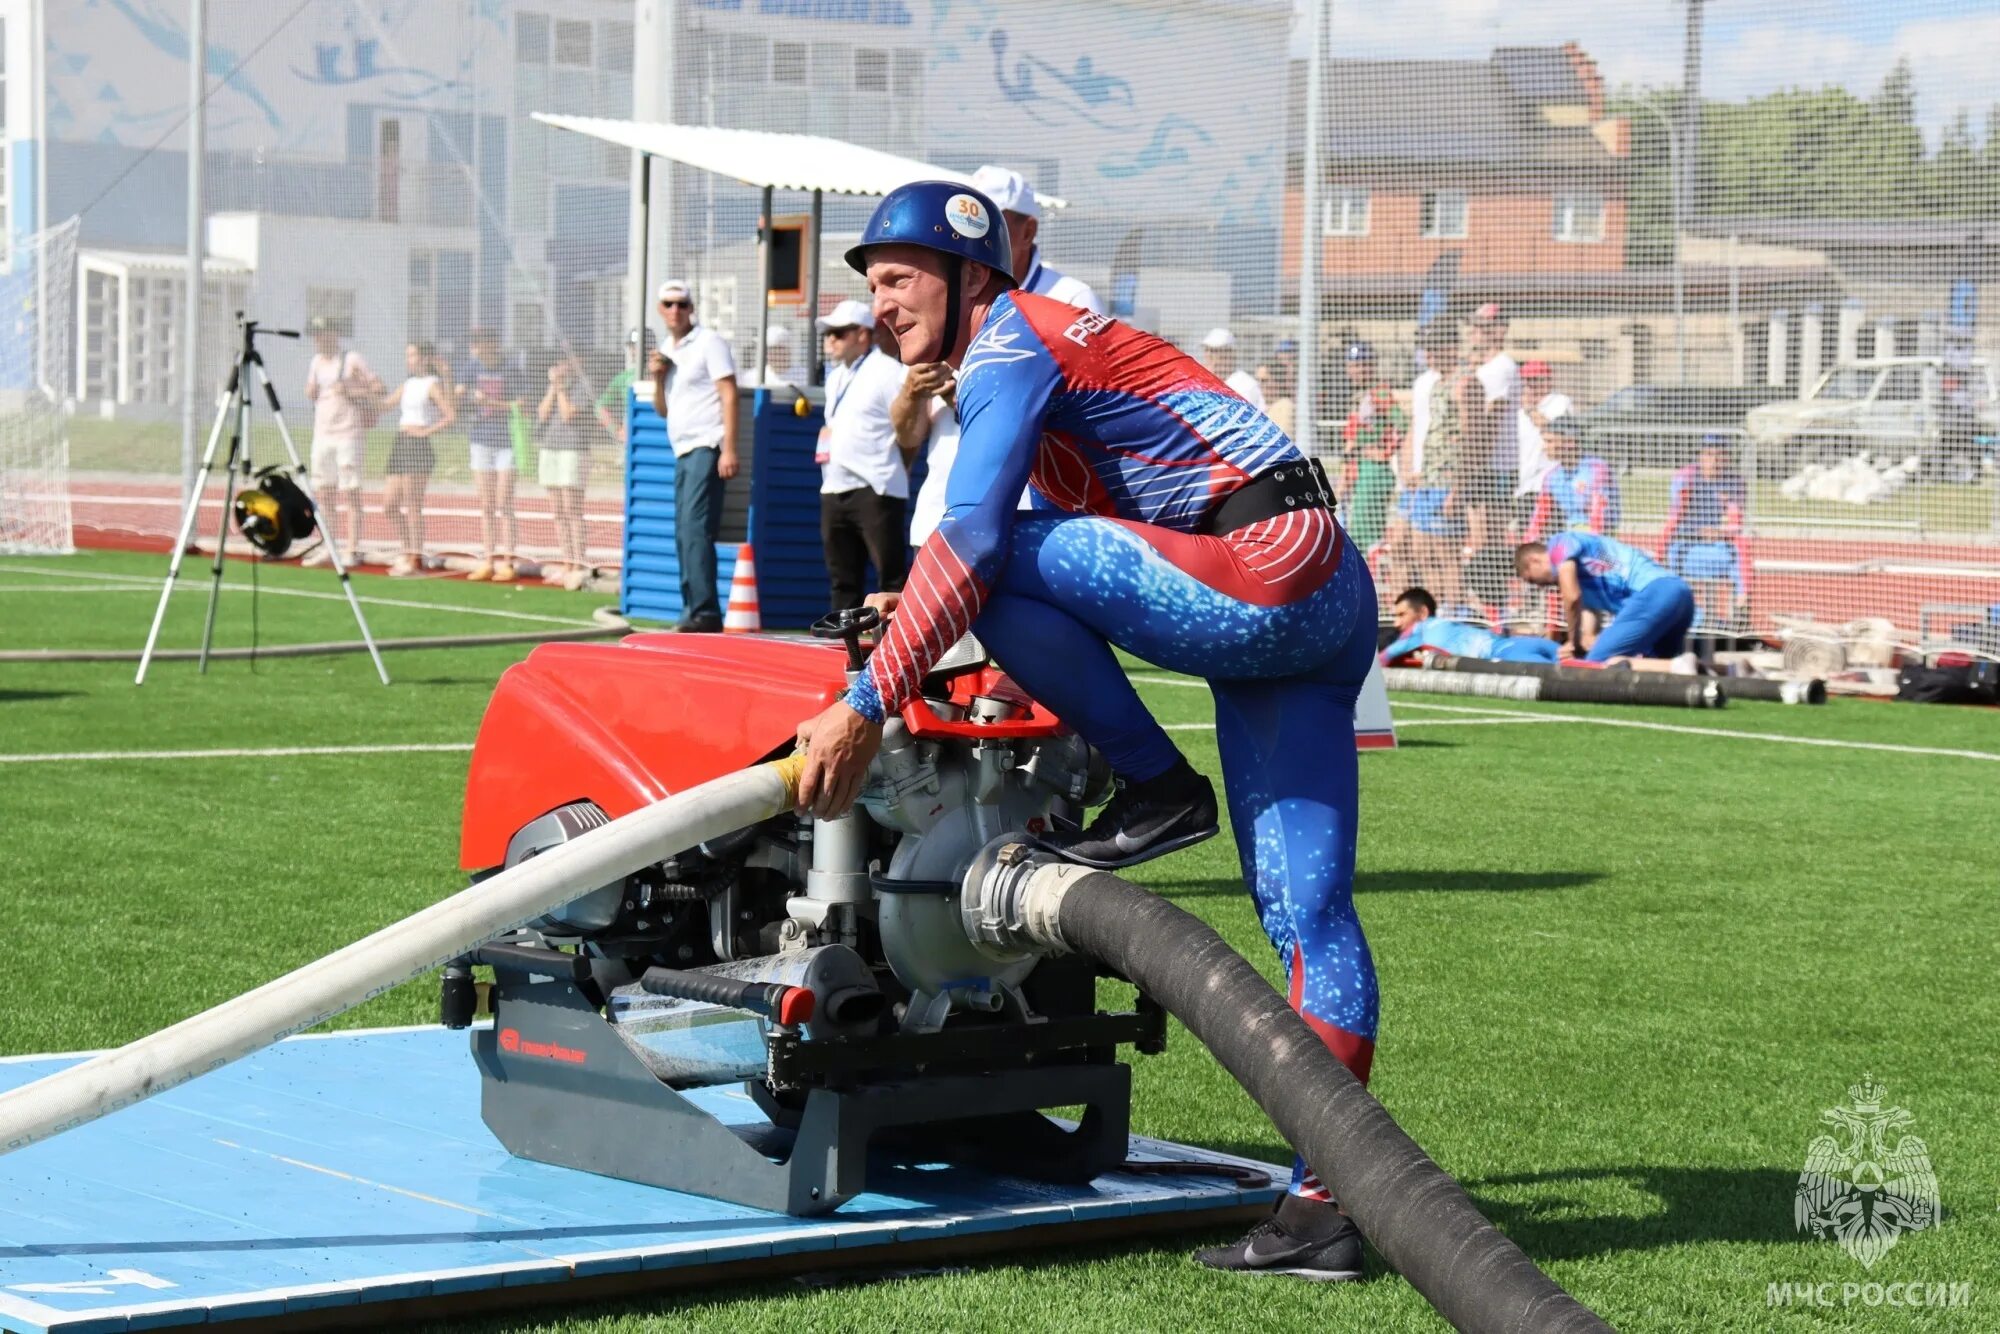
<point x="392" y="956"/>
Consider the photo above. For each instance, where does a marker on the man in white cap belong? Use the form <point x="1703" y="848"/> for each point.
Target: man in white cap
<point x="777" y="357"/>
<point x="864" y="487"/>
<point x="1023" y="214"/>
<point x="1218" y="353"/>
<point x="694" y="391"/>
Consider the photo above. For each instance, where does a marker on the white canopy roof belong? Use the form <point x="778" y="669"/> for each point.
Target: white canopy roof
<point x="767" y="158"/>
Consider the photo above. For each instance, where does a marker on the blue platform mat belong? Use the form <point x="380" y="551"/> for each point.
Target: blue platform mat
<point x="352" y="1171"/>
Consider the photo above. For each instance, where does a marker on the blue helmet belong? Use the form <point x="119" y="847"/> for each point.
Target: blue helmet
<point x="944" y="216"/>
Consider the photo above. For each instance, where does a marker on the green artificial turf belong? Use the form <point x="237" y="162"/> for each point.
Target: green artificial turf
<point x="1622" y="970"/>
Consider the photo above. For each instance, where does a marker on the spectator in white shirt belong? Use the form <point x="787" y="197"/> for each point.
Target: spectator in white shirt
<point x="344" y="393"/>
<point x="926" y="419"/>
<point x="1218" y="353"/>
<point x="694" y="391"/>
<point x="777" y="357"/>
<point x="1540" y="405"/>
<point x="1493" y="455"/>
<point x="1015" y="198"/>
<point x="865" y="479"/>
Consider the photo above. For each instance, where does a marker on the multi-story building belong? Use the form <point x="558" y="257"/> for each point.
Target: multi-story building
<point x="1507" y="167"/>
<point x="373" y="164"/>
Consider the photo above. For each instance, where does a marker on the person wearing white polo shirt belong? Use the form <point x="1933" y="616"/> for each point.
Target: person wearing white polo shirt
<point x="1218" y="353"/>
<point x="777" y="357"/>
<point x="1015" y="198"/>
<point x="864" y="487"/>
<point x="694" y="391"/>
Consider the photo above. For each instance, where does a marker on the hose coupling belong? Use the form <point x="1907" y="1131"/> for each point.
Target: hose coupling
<point x="1012" y="896"/>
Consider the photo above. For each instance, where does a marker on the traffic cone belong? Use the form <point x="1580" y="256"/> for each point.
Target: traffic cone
<point x="742" y="617"/>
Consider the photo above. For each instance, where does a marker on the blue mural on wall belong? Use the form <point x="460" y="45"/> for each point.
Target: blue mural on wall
<point x="1164" y="152"/>
<point x="169" y="37"/>
<point x="1054" y="96"/>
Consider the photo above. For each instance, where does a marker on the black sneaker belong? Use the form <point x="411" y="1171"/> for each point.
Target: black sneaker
<point x="700" y="625"/>
<point x="1322" y="1244"/>
<point x="1139" y="823"/>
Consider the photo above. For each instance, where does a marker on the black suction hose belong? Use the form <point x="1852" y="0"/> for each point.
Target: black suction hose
<point x="1415" y="1214"/>
<point x="1735" y="687"/>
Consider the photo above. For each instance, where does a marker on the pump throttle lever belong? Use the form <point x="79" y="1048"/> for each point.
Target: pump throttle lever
<point x="789" y="1006"/>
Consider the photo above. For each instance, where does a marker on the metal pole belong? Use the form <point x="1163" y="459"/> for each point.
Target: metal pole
<point x="46" y="354"/>
<point x="1736" y="312"/>
<point x="638" y="254"/>
<point x="196" y="240"/>
<point x="1690" y="108"/>
<point x="1680" y="272"/>
<point x="1674" y="207"/>
<point x="1311" y="243"/>
<point x="812" y="295"/>
<point x="763" y="278"/>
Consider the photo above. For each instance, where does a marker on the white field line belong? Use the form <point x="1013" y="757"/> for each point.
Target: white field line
<point x="1401" y="723"/>
<point x="236" y="753"/>
<point x="188" y="585"/>
<point x="1678" y="730"/>
<point x="60" y="588"/>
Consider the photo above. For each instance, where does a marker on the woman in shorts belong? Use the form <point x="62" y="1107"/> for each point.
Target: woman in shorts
<point x="424" y="408"/>
<point x="561" y="420"/>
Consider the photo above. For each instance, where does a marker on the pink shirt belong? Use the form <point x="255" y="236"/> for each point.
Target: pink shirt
<point x="336" y="415"/>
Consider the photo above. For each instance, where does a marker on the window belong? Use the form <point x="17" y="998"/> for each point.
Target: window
<point x="1347" y="212"/>
<point x="1903" y="384"/>
<point x="572" y="44"/>
<point x="788" y="63"/>
<point x="1443" y="215"/>
<point x="871" y="70"/>
<point x="531" y="39"/>
<point x="614" y="47"/>
<point x="1580" y="217"/>
<point x="333" y="304"/>
<point x="832" y="66"/>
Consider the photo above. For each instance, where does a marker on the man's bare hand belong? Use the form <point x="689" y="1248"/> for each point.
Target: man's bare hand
<point x="727" y="466"/>
<point x="839" y="745"/>
<point x="883" y="602"/>
<point x="927" y="379"/>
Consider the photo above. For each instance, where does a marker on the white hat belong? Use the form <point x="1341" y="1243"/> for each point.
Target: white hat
<point x="1009" y="190"/>
<point x="1218" y="338"/>
<point x="849" y="314"/>
<point x="677" y="288"/>
<point x="777" y="336"/>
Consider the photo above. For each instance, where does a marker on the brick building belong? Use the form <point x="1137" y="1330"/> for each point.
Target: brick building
<point x="1510" y="164"/>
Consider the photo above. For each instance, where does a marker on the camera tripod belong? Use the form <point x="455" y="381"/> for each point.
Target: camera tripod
<point x="236" y="402"/>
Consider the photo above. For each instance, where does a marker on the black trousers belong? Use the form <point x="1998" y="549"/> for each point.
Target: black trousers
<point x="858" y="528"/>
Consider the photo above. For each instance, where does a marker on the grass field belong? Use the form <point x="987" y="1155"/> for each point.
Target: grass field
<point x="1627" y="955"/>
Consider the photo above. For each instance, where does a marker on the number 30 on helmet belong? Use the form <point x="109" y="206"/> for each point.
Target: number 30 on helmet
<point x="944" y="216"/>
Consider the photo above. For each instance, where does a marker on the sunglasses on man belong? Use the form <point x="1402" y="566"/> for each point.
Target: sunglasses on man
<point x="676" y="305"/>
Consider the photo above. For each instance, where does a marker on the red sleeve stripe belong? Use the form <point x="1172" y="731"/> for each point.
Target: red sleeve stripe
<point x="940" y="601"/>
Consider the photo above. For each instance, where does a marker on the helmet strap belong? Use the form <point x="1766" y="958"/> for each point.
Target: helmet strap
<point x="954" y="285"/>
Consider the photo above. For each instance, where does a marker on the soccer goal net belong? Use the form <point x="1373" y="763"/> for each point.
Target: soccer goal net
<point x="36" y="275"/>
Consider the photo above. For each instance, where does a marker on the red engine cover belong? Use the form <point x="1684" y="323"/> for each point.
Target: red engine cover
<point x="625" y="724"/>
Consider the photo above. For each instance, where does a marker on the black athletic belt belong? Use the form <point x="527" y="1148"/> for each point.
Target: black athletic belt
<point x="1287" y="487"/>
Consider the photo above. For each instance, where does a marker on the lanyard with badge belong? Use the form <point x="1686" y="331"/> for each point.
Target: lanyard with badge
<point x="848" y="384"/>
<point x="824" y="453"/>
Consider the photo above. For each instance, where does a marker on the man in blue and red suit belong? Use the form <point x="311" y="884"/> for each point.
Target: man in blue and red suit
<point x="1173" y="520"/>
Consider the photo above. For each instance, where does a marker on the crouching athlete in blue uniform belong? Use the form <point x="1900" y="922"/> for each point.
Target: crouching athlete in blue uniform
<point x="1652" y="609"/>
<point x="1178" y="522"/>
